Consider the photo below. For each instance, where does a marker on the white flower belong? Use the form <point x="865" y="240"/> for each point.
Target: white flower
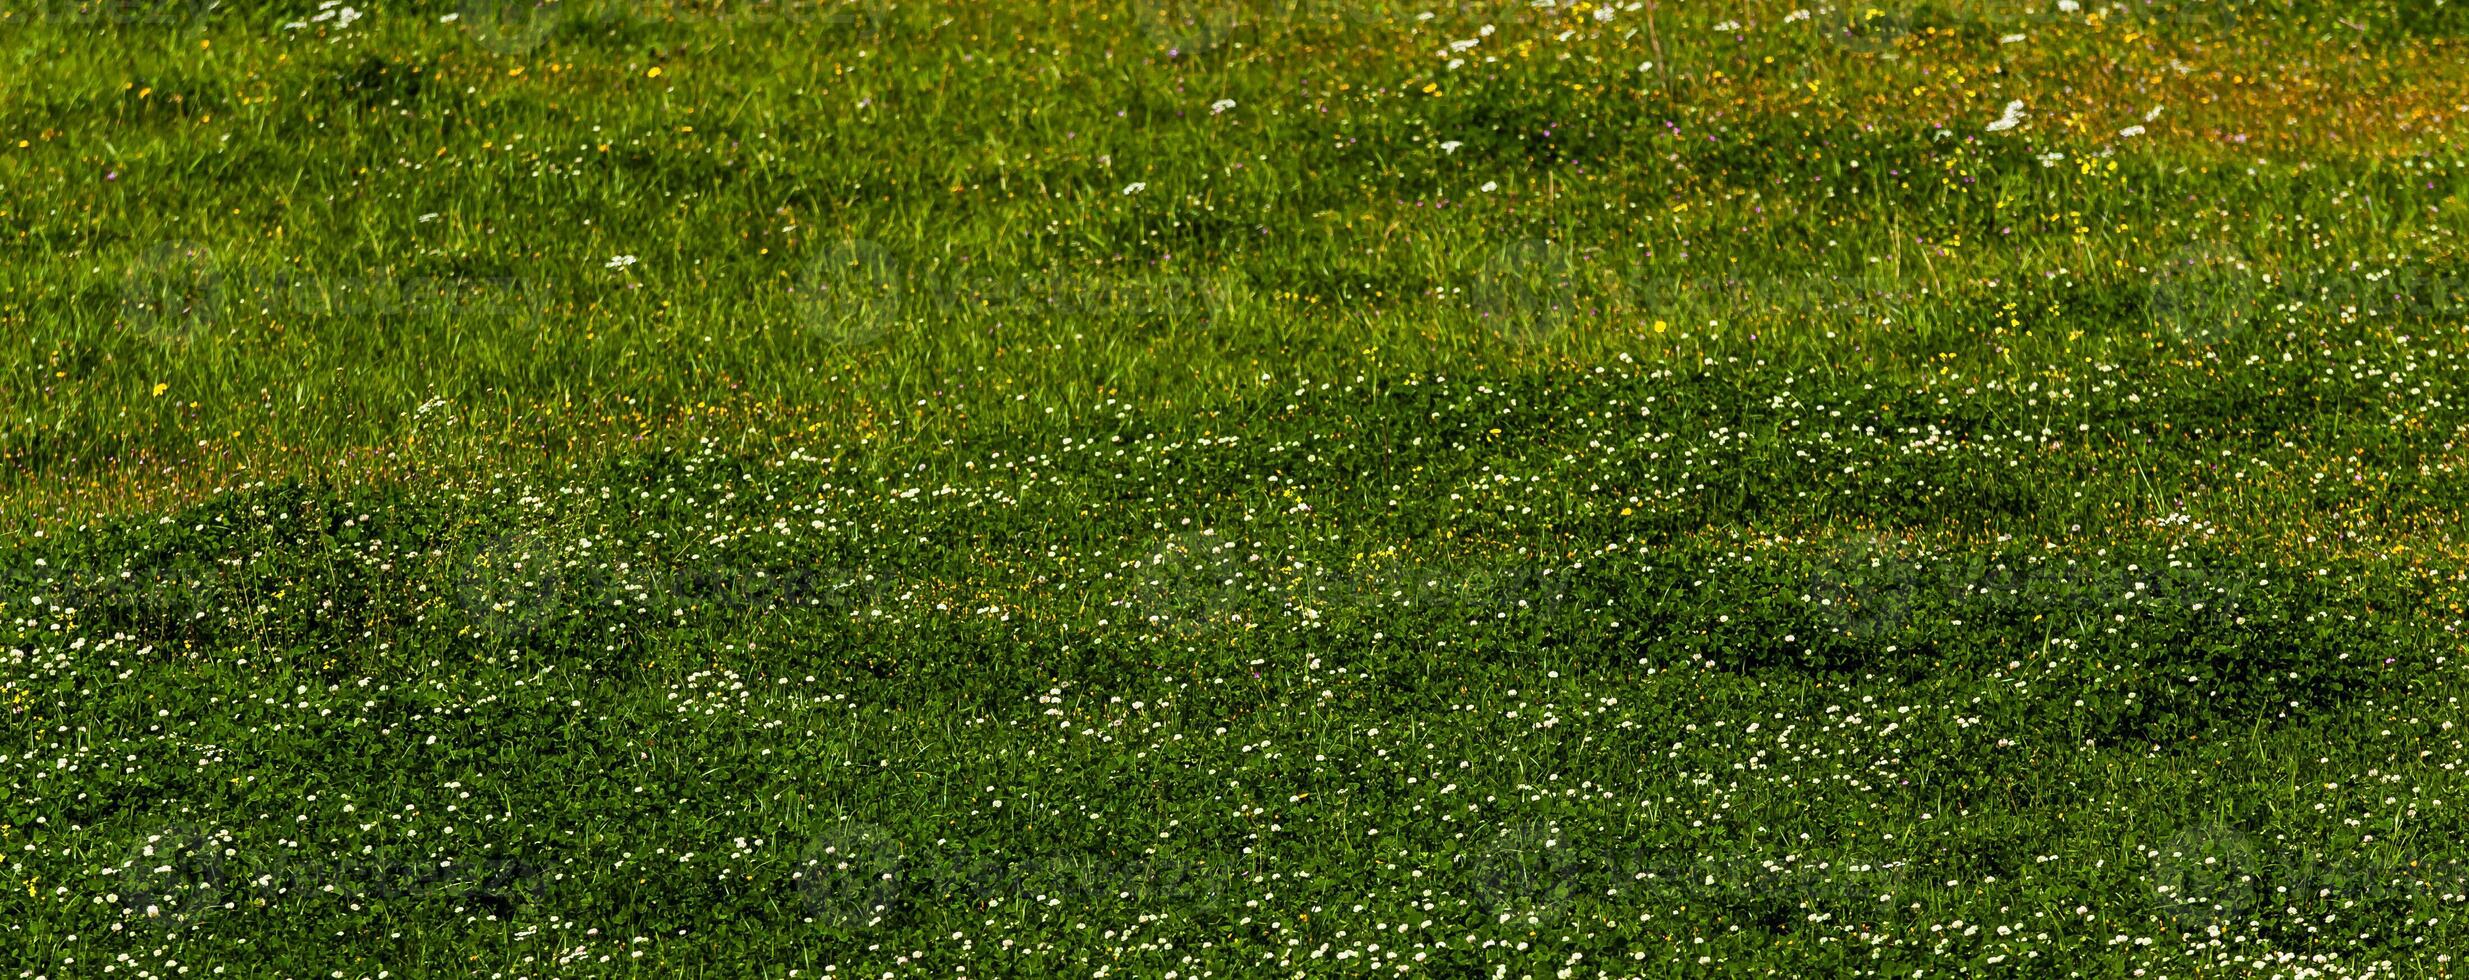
<point x="450" y="18"/>
<point x="1645" y="66"/>
<point x="2154" y="114"/>
<point x="621" y="261"/>
<point x="1450" y="146"/>
<point x="2012" y="117"/>
<point x="2131" y="131"/>
<point x="1796" y="15"/>
<point x="2069" y="6"/>
<point x="1135" y="187"/>
<point x="1727" y="26"/>
<point x="1490" y="186"/>
<point x="429" y="217"/>
<point x="1221" y="105"/>
<point x="328" y="11"/>
<point x="2011" y="39"/>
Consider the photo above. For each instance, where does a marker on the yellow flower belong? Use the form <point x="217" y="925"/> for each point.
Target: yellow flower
<point x="160" y="388"/>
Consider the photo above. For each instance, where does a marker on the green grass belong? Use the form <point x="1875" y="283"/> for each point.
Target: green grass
<point x="876" y="488"/>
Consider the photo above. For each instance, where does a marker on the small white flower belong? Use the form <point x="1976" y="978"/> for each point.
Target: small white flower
<point x="1135" y="187"/>
<point x="2131" y="131"/>
<point x="1796" y="15"/>
<point x="2154" y="114"/>
<point x="621" y="261"/>
<point x="1490" y="186"/>
<point x="1646" y="66"/>
<point x="450" y="18"/>
<point x="2069" y="6"/>
<point x="1450" y="146"/>
<point x="1727" y="27"/>
<point x="429" y="217"/>
<point x="2012" y="117"/>
<point x="1221" y="105"/>
<point x="2011" y="39"/>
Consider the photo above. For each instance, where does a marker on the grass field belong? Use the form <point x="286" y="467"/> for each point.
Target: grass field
<point x="1229" y="488"/>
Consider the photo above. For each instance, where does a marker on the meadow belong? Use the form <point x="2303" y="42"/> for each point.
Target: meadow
<point x="1228" y="488"/>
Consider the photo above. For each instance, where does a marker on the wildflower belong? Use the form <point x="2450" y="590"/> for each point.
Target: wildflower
<point x="621" y="261"/>
<point x="1135" y="187"/>
<point x="1221" y="105"/>
<point x="2131" y="131"/>
<point x="2012" y="117"/>
<point x="1450" y="146"/>
<point x="1490" y="186"/>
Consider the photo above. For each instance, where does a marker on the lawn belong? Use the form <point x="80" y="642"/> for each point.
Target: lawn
<point x="1229" y="488"/>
